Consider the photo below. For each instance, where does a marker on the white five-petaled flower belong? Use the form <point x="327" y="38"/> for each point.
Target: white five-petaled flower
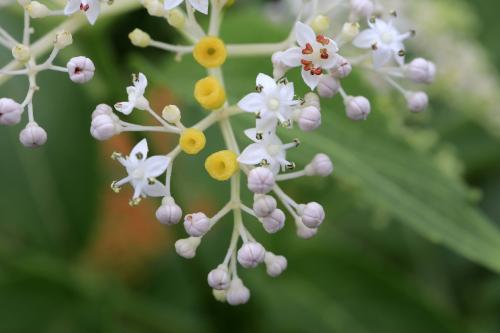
<point x="315" y="54"/>
<point x="274" y="102"/>
<point x="267" y="150"/>
<point x="136" y="97"/>
<point x="385" y="41"/>
<point x="91" y="8"/>
<point x="142" y="172"/>
<point x="199" y="5"/>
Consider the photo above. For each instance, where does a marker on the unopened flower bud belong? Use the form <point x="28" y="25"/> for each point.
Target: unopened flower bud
<point x="139" y="38"/>
<point x="421" y="71"/>
<point x="321" y="24"/>
<point x="321" y="165"/>
<point x="251" y="254"/>
<point x="309" y="119"/>
<point x="417" y="101"/>
<point x="21" y="53"/>
<point x="328" y="86"/>
<point x="274" y="222"/>
<point x="176" y="18"/>
<point x="305" y="232"/>
<point x="186" y="248"/>
<point x="63" y="39"/>
<point x="197" y="224"/>
<point x="237" y="294"/>
<point x="105" y="126"/>
<point x="349" y="31"/>
<point x="102" y="109"/>
<point x="10" y="112"/>
<point x="219" y="278"/>
<point x="33" y="136"/>
<point x="80" y="69"/>
<point x="357" y="108"/>
<point x="275" y="265"/>
<point x="169" y="213"/>
<point x="37" y="10"/>
<point x="219" y="295"/>
<point x="261" y="180"/>
<point x="362" y="7"/>
<point x="172" y="114"/>
<point x="312" y="215"/>
<point x="312" y="99"/>
<point x="264" y="205"/>
<point x="343" y="69"/>
<point x="154" y="8"/>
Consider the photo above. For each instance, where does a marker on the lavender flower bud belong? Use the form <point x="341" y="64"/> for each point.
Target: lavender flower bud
<point x="343" y="69"/>
<point x="264" y="205"/>
<point x="328" y="86"/>
<point x="357" y="108"/>
<point x="105" y="126"/>
<point x="261" y="180"/>
<point x="237" y="293"/>
<point x="80" y="69"/>
<point x="312" y="99"/>
<point x="309" y="119"/>
<point x="312" y="215"/>
<point x="305" y="232"/>
<point x="186" y="248"/>
<point x="275" y="265"/>
<point x="219" y="278"/>
<point x="363" y="8"/>
<point x="274" y="222"/>
<point x="421" y="71"/>
<point x="417" y="101"/>
<point x="102" y="109"/>
<point x="197" y="224"/>
<point x="169" y="213"/>
<point x="321" y="165"/>
<point x="251" y="254"/>
<point x="10" y="112"/>
<point x="33" y="136"/>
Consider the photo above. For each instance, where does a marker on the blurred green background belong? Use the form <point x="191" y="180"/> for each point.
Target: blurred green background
<point x="412" y="241"/>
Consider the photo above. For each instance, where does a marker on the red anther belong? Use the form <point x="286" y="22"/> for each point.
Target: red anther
<point x="85" y="7"/>
<point x="308" y="50"/>
<point x="324" y="54"/>
<point x="318" y="71"/>
<point x="307" y="64"/>
<point x="322" y="40"/>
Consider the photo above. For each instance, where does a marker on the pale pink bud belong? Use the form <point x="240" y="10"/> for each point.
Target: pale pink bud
<point x="251" y="254"/>
<point x="274" y="222"/>
<point x="10" y="112"/>
<point x="321" y="165"/>
<point x="421" y="71"/>
<point x="261" y="180"/>
<point x="417" y="101"/>
<point x="343" y="69"/>
<point x="237" y="294"/>
<point x="357" y="108"/>
<point x="33" y="136"/>
<point x="102" y="109"/>
<point x="264" y="205"/>
<point x="105" y="126"/>
<point x="219" y="278"/>
<point x="328" y="86"/>
<point x="197" y="224"/>
<point x="186" y="248"/>
<point x="305" y="232"/>
<point x="363" y="8"/>
<point x="312" y="99"/>
<point x="275" y="265"/>
<point x="80" y="69"/>
<point x="309" y="119"/>
<point x="312" y="215"/>
<point x="169" y="213"/>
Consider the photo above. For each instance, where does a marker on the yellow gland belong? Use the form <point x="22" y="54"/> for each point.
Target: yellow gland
<point x="192" y="141"/>
<point x="210" y="93"/>
<point x="210" y="52"/>
<point x="222" y="165"/>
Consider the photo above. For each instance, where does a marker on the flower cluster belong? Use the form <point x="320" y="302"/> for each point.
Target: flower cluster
<point x="80" y="69"/>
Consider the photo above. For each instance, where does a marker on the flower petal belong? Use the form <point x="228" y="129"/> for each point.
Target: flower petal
<point x="72" y="7"/>
<point x="253" y="154"/>
<point x="381" y="56"/>
<point x="141" y="83"/>
<point x="251" y="133"/>
<point x="139" y="152"/>
<point x="171" y="4"/>
<point x="124" y="107"/>
<point x="312" y="81"/>
<point x="251" y="103"/>
<point x="366" y="39"/>
<point x="200" y="5"/>
<point x="156" y="165"/>
<point x="93" y="12"/>
<point x="304" y="34"/>
<point x="266" y="82"/>
<point x="291" y="57"/>
<point x="155" y="190"/>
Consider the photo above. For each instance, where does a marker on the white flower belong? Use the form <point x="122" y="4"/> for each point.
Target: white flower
<point x="199" y="5"/>
<point x="315" y="54"/>
<point x="142" y="172"/>
<point x="267" y="151"/>
<point x="136" y="97"/>
<point x="385" y="41"/>
<point x="274" y="101"/>
<point x="91" y="8"/>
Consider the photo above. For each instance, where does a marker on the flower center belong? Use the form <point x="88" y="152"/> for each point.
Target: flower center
<point x="273" y="104"/>
<point x="387" y="37"/>
<point x="138" y="173"/>
<point x="273" y="150"/>
<point x="313" y="55"/>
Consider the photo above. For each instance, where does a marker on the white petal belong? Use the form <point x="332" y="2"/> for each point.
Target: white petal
<point x="251" y="103"/>
<point x="366" y="39"/>
<point x="140" y="150"/>
<point x="287" y="92"/>
<point x="396" y="48"/>
<point x="156" y="165"/>
<point x="200" y="5"/>
<point x="93" y="11"/>
<point x="253" y="154"/>
<point x="312" y="81"/>
<point x="124" y="107"/>
<point x="291" y="57"/>
<point x="141" y="83"/>
<point x="171" y="4"/>
<point x="266" y="124"/>
<point x="155" y="190"/>
<point x="304" y="34"/>
<point x="381" y="56"/>
<point x="251" y="133"/>
<point x="266" y="82"/>
<point x="72" y="7"/>
<point x="382" y="26"/>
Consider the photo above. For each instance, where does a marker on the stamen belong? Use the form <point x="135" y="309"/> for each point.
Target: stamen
<point x="401" y="53"/>
<point x="317" y="71"/>
<point x="259" y="88"/>
<point x="115" y="187"/>
<point x="259" y="136"/>
<point x="84" y="8"/>
<point x="290" y="166"/>
<point x="374" y="47"/>
<point x="264" y="162"/>
<point x="135" y="202"/>
<point x="324" y="54"/>
<point x="151" y="181"/>
<point x="308" y="49"/>
<point x="115" y="156"/>
<point x="322" y="40"/>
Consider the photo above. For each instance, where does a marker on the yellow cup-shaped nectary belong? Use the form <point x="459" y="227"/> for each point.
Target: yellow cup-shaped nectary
<point x="222" y="165"/>
<point x="210" y="52"/>
<point x="192" y="141"/>
<point x="210" y="93"/>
